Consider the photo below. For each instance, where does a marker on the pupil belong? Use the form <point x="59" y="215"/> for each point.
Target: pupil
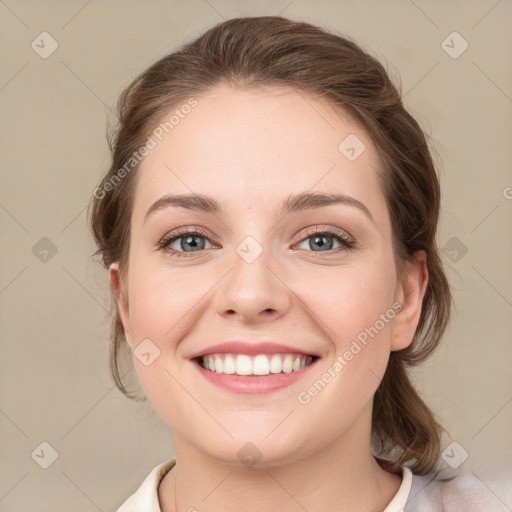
<point x="322" y="245"/>
<point x="190" y="240"/>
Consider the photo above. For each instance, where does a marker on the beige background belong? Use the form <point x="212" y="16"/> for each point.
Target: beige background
<point x="55" y="385"/>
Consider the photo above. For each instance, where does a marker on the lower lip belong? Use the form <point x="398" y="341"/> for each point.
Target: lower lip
<point x="250" y="384"/>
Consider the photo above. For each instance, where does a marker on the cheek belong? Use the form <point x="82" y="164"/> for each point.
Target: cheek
<point x="159" y="299"/>
<point x="353" y="307"/>
<point x="158" y="311"/>
<point x="357" y="317"/>
<point x="348" y="299"/>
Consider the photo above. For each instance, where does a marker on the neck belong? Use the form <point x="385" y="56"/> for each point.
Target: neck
<point x="341" y="476"/>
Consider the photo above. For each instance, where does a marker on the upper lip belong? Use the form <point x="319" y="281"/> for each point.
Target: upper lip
<point x="242" y="347"/>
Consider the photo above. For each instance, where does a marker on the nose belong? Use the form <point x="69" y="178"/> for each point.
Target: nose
<point x="256" y="290"/>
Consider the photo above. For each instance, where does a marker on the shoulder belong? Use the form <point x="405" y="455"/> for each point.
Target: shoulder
<point x="468" y="493"/>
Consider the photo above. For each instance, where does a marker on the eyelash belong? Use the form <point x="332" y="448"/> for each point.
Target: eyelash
<point x="346" y="242"/>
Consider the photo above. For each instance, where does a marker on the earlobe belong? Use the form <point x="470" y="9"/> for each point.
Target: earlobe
<point x="121" y="299"/>
<point x="410" y="292"/>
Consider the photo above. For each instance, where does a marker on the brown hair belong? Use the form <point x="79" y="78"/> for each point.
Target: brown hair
<point x="271" y="50"/>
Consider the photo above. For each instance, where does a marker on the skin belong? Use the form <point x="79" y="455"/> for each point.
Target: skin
<point x="250" y="149"/>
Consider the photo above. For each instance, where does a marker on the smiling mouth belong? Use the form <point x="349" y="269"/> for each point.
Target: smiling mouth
<point x="255" y="365"/>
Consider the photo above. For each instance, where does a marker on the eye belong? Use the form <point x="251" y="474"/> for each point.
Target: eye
<point x="194" y="240"/>
<point x="187" y="241"/>
<point x="322" y="238"/>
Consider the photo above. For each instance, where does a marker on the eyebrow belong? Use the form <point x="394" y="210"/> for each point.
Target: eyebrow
<point x="293" y="203"/>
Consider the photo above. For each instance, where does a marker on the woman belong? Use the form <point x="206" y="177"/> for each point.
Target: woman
<point x="268" y="222"/>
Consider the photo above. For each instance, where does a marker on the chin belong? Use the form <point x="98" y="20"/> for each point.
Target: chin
<point x="256" y="451"/>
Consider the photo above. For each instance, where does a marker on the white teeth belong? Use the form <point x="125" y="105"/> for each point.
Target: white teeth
<point x="288" y="364"/>
<point x="276" y="364"/>
<point x="229" y="365"/>
<point x="261" y="364"/>
<point x="243" y="365"/>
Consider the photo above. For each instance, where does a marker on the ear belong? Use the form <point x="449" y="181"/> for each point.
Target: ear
<point x="409" y="293"/>
<point x="121" y="299"/>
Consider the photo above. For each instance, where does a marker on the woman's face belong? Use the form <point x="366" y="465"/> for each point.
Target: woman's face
<point x="263" y="272"/>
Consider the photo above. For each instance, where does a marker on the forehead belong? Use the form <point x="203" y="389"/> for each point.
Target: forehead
<point x="256" y="145"/>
